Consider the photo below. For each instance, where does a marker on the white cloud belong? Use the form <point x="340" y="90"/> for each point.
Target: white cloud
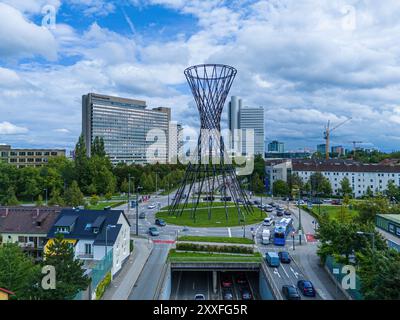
<point x="21" y="38"/>
<point x="8" y="128"/>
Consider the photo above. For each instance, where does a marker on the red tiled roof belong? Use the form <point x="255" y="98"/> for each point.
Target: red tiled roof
<point x="342" y="166"/>
<point x="7" y="291"/>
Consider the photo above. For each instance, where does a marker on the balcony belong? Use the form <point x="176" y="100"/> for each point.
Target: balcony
<point x="85" y="256"/>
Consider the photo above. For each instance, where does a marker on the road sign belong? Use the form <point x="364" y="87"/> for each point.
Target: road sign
<point x="336" y="271"/>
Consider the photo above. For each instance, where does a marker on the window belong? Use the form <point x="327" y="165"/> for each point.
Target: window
<point x="391" y="228"/>
<point x="22" y="153"/>
<point x="30" y="153"/>
<point x="88" y="248"/>
<point x="38" y="153"/>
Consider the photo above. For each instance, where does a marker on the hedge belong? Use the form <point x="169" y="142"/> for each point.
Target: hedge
<point x="101" y="288"/>
<point x="213" y="248"/>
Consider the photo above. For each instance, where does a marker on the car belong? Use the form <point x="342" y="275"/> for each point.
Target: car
<point x="151" y="207"/>
<point x="256" y="202"/>
<point x="306" y="288"/>
<point x="226" y="198"/>
<point x="272" y="259"/>
<point x="287" y="213"/>
<point x="284" y="257"/>
<point x="279" y="213"/>
<point x="199" y="297"/>
<point x="269" y="209"/>
<point x="142" y="215"/>
<point x="290" y="292"/>
<point x="239" y="201"/>
<point x="300" y="202"/>
<point x="208" y="199"/>
<point x="267" y="222"/>
<point x="336" y="202"/>
<point x="227" y="294"/>
<point x="245" y="293"/>
<point x="226" y="281"/>
<point x="241" y="278"/>
<point x="160" y="222"/>
<point x="153" y="231"/>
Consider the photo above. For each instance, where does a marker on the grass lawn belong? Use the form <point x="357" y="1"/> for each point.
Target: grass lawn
<point x="210" y="257"/>
<point x="335" y="212"/>
<point x="216" y="239"/>
<point x="102" y="205"/>
<point x="190" y="205"/>
<point x="218" y="218"/>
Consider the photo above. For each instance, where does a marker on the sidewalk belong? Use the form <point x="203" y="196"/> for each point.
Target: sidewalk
<point x="122" y="285"/>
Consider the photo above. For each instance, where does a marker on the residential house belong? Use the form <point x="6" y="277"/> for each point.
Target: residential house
<point x="27" y="226"/>
<point x="93" y="233"/>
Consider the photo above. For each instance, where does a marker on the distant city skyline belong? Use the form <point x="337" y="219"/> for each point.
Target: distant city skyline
<point x="139" y="49"/>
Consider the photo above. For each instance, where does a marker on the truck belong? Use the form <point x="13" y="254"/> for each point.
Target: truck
<point x="266" y="237"/>
<point x="272" y="259"/>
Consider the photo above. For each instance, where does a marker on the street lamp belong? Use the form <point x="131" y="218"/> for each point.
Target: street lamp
<point x="46" y="195"/>
<point x="109" y="226"/>
<point x="137" y="209"/>
<point x="371" y="234"/>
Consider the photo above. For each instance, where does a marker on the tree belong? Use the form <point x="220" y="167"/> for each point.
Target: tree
<point x="367" y="210"/>
<point x="82" y="164"/>
<point x="295" y="182"/>
<point x="392" y="191"/>
<point x="280" y="188"/>
<point x="56" y="198"/>
<point x="39" y="201"/>
<point x="70" y="278"/>
<point x="73" y="195"/>
<point x="18" y="272"/>
<point x="380" y="275"/>
<point x="124" y="186"/>
<point x="345" y="187"/>
<point x="94" y="200"/>
<point x="369" y="193"/>
<point x="257" y="184"/>
<point x="320" y="184"/>
<point x="98" y="147"/>
<point x="9" y="198"/>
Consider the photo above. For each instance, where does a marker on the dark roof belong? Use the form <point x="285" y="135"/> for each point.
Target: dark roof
<point x="342" y="166"/>
<point x="27" y="220"/>
<point x="65" y="221"/>
<point x="86" y="220"/>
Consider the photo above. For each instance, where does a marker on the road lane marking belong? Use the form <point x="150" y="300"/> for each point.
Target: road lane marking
<point x="284" y="270"/>
<point x="277" y="272"/>
<point x="296" y="274"/>
<point x="229" y="232"/>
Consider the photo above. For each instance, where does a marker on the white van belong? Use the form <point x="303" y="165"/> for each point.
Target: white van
<point x="267" y="222"/>
<point x="266" y="236"/>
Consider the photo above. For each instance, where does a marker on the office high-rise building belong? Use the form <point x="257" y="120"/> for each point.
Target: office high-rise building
<point x="246" y="118"/>
<point x="276" y="146"/>
<point x="321" y="148"/>
<point x="124" y="125"/>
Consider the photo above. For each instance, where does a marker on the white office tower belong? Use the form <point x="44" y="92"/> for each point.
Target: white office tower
<point x="247" y="119"/>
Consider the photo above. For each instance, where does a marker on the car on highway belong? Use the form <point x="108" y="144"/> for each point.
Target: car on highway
<point x="151" y="207"/>
<point x="284" y="257"/>
<point x="287" y="213"/>
<point x="272" y="259"/>
<point x="239" y="200"/>
<point x="269" y="209"/>
<point x="245" y="293"/>
<point x="160" y="222"/>
<point x="227" y="294"/>
<point x="279" y="213"/>
<point x="226" y="198"/>
<point x="290" y="292"/>
<point x="267" y="222"/>
<point x="153" y="231"/>
<point x="306" y="288"/>
<point x="142" y="215"/>
<point x="256" y="202"/>
<point x="199" y="296"/>
<point x="226" y="281"/>
<point x="300" y="202"/>
<point x="241" y="278"/>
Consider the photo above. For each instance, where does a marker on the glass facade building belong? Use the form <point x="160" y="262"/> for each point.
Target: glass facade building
<point x="124" y="125"/>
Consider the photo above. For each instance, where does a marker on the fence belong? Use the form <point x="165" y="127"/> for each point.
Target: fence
<point x="97" y="274"/>
<point x="333" y="266"/>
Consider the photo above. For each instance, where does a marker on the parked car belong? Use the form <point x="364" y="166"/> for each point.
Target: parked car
<point x="317" y="201"/>
<point x="290" y="292"/>
<point x="227" y="294"/>
<point x="272" y="259"/>
<point x="153" y="231"/>
<point x="208" y="199"/>
<point x="151" y="207"/>
<point x="284" y="257"/>
<point x="160" y="222"/>
<point x="245" y="293"/>
<point x="142" y="215"/>
<point x="199" y="297"/>
<point x="306" y="288"/>
<point x="336" y="202"/>
<point x="269" y="209"/>
<point x="226" y="198"/>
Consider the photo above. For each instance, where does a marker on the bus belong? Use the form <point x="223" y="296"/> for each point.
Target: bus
<point x="281" y="231"/>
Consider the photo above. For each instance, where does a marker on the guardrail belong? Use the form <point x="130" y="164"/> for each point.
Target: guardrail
<point x="275" y="290"/>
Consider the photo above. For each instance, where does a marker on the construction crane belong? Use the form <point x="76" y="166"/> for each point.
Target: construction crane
<point x="355" y="147"/>
<point x="327" y="135"/>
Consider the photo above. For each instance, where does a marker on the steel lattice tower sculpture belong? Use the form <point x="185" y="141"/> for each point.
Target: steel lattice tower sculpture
<point x="208" y="174"/>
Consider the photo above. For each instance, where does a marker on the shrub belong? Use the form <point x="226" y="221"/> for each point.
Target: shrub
<point x="213" y="248"/>
<point x="101" y="288"/>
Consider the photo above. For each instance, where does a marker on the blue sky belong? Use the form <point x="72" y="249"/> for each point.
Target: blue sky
<point x="306" y="62"/>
